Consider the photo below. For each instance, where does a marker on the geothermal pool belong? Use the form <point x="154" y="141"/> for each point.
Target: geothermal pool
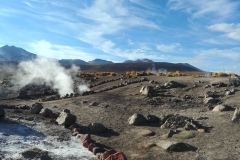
<point x="17" y="137"/>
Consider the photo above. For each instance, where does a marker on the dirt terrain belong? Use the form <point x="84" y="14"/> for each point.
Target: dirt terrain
<point x="114" y="106"/>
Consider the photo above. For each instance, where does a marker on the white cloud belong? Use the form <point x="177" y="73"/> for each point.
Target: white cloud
<point x="28" y="4"/>
<point x="168" y="48"/>
<point x="130" y="42"/>
<point x="220" y="8"/>
<point x="231" y="30"/>
<point x="47" y="49"/>
<point x="146" y="4"/>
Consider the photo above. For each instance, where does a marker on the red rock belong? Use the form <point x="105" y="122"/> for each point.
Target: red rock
<point x="86" y="143"/>
<point x="117" y="156"/>
<point x="99" y="156"/>
<point x="85" y="137"/>
<point x="106" y="154"/>
<point x="91" y="146"/>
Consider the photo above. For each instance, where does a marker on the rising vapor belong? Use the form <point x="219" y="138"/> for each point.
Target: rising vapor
<point x="47" y="71"/>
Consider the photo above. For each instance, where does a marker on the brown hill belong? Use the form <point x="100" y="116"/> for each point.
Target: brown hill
<point x="123" y="67"/>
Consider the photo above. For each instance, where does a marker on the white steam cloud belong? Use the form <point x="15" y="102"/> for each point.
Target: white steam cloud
<point x="47" y="71"/>
<point x="153" y="70"/>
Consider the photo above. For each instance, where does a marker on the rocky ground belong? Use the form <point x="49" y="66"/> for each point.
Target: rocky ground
<point x="181" y="111"/>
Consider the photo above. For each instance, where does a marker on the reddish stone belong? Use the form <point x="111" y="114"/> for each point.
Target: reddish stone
<point x="85" y="137"/>
<point x="106" y="154"/>
<point x="91" y="146"/>
<point x="99" y="156"/>
<point x="117" y="156"/>
<point x="86" y="143"/>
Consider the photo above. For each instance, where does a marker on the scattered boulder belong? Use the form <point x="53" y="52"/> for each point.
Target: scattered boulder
<point x="176" y="121"/>
<point x="93" y="104"/>
<point x="147" y="90"/>
<point x="220" y="108"/>
<point x="219" y="84"/>
<point x="2" y="112"/>
<point x="236" y="115"/>
<point x="209" y="94"/>
<point x="66" y="119"/>
<point x="136" y="119"/>
<point x="97" y="127"/>
<point x="171" y="84"/>
<point x="45" y="112"/>
<point x="175" y="146"/>
<point x="152" y="118"/>
<point x="35" y="153"/>
<point x="228" y="93"/>
<point x="36" y="108"/>
<point x="66" y="110"/>
<point x="235" y="81"/>
<point x="23" y="94"/>
<point x="209" y="100"/>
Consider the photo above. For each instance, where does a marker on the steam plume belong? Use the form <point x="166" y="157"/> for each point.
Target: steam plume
<point x="49" y="72"/>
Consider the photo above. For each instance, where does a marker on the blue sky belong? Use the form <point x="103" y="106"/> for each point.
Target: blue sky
<point x="203" y="33"/>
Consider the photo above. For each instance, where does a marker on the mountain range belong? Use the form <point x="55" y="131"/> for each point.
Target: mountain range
<point x="12" y="53"/>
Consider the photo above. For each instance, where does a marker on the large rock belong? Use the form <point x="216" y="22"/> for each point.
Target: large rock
<point x="2" y="112"/>
<point x="171" y="84"/>
<point x="235" y="81"/>
<point x="209" y="94"/>
<point x="175" y="122"/>
<point x="97" y="127"/>
<point x="175" y="146"/>
<point x="219" y="108"/>
<point x="45" y="112"/>
<point x="136" y="119"/>
<point x="35" y="153"/>
<point x="152" y="118"/>
<point x="236" y="115"/>
<point x="23" y="94"/>
<point x="209" y="100"/>
<point x="117" y="156"/>
<point x="146" y="90"/>
<point x="36" y="108"/>
<point x="66" y="119"/>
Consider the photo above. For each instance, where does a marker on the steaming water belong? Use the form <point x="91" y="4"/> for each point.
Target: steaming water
<point x="16" y="138"/>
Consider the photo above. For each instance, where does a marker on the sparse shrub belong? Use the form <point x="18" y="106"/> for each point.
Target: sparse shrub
<point x="194" y="76"/>
<point x="148" y="73"/>
<point x="128" y="73"/>
<point x="160" y="74"/>
<point x="231" y="74"/>
<point x="177" y="73"/>
<point x="112" y="74"/>
<point x="133" y="73"/>
<point x="170" y="74"/>
<point x="221" y="74"/>
<point x="214" y="74"/>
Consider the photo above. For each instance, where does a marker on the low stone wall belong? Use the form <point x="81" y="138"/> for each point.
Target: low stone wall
<point x="84" y="139"/>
